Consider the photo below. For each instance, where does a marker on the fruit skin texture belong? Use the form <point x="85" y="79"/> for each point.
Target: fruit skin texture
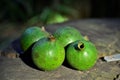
<point x="30" y="36"/>
<point x="48" y="54"/>
<point x="84" y="58"/>
<point x="67" y="35"/>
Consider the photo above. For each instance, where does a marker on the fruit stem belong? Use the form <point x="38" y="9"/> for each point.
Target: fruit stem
<point x="80" y="46"/>
<point x="43" y="28"/>
<point x="51" y="38"/>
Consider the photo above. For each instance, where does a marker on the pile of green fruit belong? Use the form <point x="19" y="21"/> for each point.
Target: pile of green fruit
<point x="50" y="51"/>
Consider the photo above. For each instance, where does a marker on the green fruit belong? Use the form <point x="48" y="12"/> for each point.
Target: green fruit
<point x="55" y="17"/>
<point x="31" y="35"/>
<point x="66" y="35"/>
<point x="47" y="54"/>
<point x="81" y="55"/>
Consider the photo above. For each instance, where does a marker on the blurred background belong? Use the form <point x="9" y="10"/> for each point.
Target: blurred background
<point x="15" y="13"/>
<point x="56" y="11"/>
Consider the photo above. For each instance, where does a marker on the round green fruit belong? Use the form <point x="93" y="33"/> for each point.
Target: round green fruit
<point x="48" y="54"/>
<point x="67" y="35"/>
<point x="81" y="55"/>
<point x="31" y="35"/>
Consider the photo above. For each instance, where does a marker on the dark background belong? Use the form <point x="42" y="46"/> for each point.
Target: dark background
<point x="24" y="10"/>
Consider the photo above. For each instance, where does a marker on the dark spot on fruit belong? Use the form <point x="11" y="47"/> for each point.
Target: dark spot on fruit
<point x="36" y="55"/>
<point x="55" y="58"/>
